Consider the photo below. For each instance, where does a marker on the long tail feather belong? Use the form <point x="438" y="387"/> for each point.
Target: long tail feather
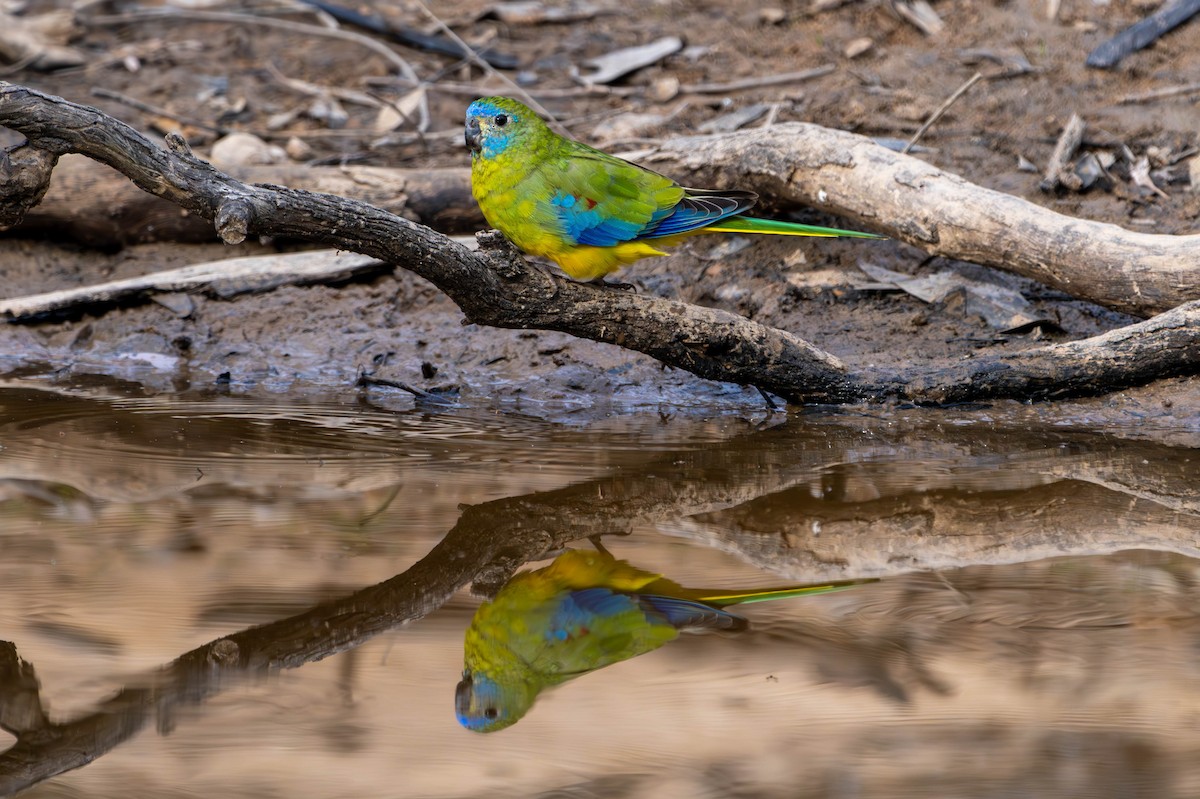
<point x="733" y="598"/>
<point x="750" y="224"/>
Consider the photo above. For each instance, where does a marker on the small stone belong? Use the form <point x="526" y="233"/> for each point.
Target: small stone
<point x="663" y="90"/>
<point x="857" y="47"/>
<point x="771" y="15"/>
<point x="298" y="149"/>
<point x="242" y="149"/>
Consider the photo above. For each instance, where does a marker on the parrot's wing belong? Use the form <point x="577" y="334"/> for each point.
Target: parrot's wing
<point x="596" y="627"/>
<point x="602" y="201"/>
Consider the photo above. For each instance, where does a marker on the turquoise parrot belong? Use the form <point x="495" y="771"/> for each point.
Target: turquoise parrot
<point x="586" y="210"/>
<point x="584" y="611"/>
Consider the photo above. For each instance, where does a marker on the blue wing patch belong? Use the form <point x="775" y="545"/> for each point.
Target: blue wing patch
<point x="584" y="222"/>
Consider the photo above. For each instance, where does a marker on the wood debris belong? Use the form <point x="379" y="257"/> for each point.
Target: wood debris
<point x="535" y="12"/>
<point x="1171" y="15"/>
<point x="619" y="63"/>
<point x="39" y="41"/>
<point x="223" y="279"/>
<point x="920" y="15"/>
<point x="1058" y="170"/>
<point x="1002" y="308"/>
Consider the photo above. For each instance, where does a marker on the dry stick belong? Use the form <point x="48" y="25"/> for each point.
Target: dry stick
<point x="475" y="89"/>
<point x="170" y="15"/>
<point x="132" y="102"/>
<point x="756" y="83"/>
<point x="1056" y="169"/>
<point x="314" y="90"/>
<point x="941" y="110"/>
<point x="497" y="287"/>
<point x="482" y="63"/>
<point x="1159" y="94"/>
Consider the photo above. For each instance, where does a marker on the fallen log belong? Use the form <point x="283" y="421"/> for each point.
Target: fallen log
<point x="96" y="206"/>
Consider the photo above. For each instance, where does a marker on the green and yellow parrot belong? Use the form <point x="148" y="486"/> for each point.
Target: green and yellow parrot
<point x="584" y="611"/>
<point x="588" y="211"/>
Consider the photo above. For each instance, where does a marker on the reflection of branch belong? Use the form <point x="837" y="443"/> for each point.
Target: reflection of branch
<point x="498" y="287"/>
<point x="487" y="544"/>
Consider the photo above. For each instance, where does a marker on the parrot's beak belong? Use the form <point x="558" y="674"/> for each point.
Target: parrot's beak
<point x="473" y="135"/>
<point x="462" y="696"/>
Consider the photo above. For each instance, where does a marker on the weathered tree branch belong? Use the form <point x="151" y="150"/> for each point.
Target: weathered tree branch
<point x="498" y="287"/>
<point x="90" y="203"/>
<point x="943" y="214"/>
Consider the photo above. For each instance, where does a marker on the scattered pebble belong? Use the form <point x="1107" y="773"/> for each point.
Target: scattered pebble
<point x="857" y="47"/>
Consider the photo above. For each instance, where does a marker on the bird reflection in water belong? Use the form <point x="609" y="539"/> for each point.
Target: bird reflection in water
<point x="584" y="611"/>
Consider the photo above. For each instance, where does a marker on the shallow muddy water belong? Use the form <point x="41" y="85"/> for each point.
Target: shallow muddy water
<point x="217" y="595"/>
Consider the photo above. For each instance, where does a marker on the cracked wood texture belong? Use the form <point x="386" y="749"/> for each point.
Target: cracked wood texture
<point x="906" y="198"/>
<point x="498" y="287"/>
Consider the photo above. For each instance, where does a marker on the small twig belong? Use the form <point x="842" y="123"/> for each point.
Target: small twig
<point x="313" y="90"/>
<point x="123" y="99"/>
<point x="941" y="110"/>
<point x="482" y="63"/>
<point x="1159" y="94"/>
<point x="772" y="115"/>
<point x="476" y="89"/>
<point x="1056" y="170"/>
<point x="366" y="380"/>
<point x="303" y="28"/>
<point x="756" y="83"/>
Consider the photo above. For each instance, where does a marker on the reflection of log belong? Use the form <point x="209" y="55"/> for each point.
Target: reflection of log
<point x="498" y="287"/>
<point x="99" y="207"/>
<point x="878" y="518"/>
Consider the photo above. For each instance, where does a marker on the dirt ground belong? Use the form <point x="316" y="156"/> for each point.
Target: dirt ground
<point x="887" y="78"/>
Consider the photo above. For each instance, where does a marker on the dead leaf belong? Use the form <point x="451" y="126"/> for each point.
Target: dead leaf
<point x="735" y="120"/>
<point x="1001" y="308"/>
<point x="1140" y="175"/>
<point x="532" y="12"/>
<point x="405" y="110"/>
<point x="619" y="63"/>
<point x="920" y="15"/>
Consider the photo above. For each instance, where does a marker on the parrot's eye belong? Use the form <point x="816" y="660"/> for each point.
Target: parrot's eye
<point x="501" y="120"/>
<point x="490" y="713"/>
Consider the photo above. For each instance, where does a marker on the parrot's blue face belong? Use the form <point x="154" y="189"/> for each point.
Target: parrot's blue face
<point x="492" y="124"/>
<point x="483" y="705"/>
